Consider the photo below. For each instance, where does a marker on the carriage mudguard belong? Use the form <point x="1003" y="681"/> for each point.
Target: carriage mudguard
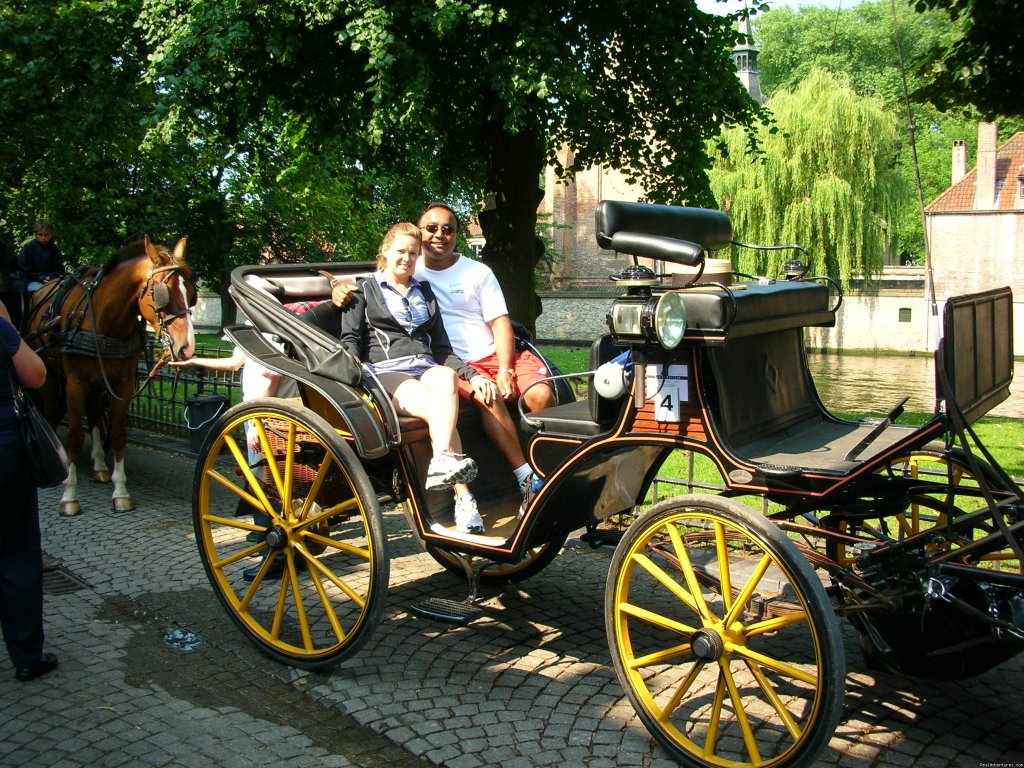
<point x="367" y="432"/>
<point x="318" y="360"/>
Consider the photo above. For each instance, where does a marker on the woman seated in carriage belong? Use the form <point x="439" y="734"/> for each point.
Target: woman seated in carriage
<point x="393" y="325"/>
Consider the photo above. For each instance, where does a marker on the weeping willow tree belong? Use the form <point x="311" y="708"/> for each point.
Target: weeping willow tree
<point x="826" y="180"/>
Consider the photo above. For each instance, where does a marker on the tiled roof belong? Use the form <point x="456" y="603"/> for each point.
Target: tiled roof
<point x="1009" y="165"/>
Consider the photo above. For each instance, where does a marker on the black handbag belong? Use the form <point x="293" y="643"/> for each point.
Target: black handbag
<point x="47" y="459"/>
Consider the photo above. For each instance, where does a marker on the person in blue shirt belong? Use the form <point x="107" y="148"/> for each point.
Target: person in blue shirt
<point x="21" y="554"/>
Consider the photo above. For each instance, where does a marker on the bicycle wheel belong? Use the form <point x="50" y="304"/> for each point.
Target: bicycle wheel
<point x="306" y="583"/>
<point x="723" y="637"/>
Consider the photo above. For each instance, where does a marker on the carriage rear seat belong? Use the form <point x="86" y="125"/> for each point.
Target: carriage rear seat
<point x="313" y="289"/>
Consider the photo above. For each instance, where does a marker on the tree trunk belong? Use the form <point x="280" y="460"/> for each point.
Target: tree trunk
<point x="515" y="162"/>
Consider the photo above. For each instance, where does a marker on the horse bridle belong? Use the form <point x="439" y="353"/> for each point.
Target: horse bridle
<point x="160" y="294"/>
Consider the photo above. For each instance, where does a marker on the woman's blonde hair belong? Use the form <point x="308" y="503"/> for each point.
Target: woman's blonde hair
<point x="401" y="228"/>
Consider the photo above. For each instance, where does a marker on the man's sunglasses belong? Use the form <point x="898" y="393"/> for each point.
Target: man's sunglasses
<point x="446" y="229"/>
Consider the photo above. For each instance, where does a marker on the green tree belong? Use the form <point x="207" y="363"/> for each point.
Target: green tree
<point x="87" y="143"/>
<point x="479" y="94"/>
<point x="858" y="43"/>
<point x="71" y="99"/>
<point x="982" y="67"/>
<point x="825" y="181"/>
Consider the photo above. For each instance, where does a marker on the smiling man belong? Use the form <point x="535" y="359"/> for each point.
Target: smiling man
<point x="480" y="331"/>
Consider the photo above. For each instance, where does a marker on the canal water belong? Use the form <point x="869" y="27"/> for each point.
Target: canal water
<point x="866" y="384"/>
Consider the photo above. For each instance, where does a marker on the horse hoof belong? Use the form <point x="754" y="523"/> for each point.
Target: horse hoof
<point x="101" y="476"/>
<point x="70" y="509"/>
<point x="122" y="504"/>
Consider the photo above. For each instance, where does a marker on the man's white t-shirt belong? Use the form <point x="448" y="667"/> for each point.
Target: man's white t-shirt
<point x="469" y="297"/>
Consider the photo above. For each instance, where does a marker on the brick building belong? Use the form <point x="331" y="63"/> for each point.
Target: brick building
<point x="976" y="227"/>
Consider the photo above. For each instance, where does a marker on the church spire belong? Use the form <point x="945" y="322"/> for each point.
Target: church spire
<point x="744" y="55"/>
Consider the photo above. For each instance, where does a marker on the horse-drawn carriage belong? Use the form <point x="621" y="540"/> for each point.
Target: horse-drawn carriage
<point x="722" y="621"/>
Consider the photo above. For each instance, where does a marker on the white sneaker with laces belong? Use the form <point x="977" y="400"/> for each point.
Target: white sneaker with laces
<point x="528" y="486"/>
<point x="467" y="516"/>
<point x="447" y="468"/>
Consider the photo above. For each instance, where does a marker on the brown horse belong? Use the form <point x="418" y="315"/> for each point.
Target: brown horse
<point x="90" y="329"/>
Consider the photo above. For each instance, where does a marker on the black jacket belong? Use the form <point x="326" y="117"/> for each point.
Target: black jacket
<point x="371" y="333"/>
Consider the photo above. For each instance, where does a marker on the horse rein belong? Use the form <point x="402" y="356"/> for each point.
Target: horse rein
<point x="160" y="295"/>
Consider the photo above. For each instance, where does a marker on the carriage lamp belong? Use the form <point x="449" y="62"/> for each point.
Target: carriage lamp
<point x="794" y="269"/>
<point x="643" y="317"/>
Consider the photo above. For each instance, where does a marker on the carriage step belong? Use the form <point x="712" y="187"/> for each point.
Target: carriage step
<point x="450" y="611"/>
<point x="779" y="470"/>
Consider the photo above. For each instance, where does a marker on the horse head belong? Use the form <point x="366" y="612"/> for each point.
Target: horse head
<point x="167" y="299"/>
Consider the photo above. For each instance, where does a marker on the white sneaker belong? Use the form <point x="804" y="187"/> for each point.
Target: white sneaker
<point x="528" y="486"/>
<point x="447" y="469"/>
<point x="467" y="516"/>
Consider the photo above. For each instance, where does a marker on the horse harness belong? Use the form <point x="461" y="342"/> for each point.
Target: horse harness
<point x="156" y="285"/>
<point x="70" y="339"/>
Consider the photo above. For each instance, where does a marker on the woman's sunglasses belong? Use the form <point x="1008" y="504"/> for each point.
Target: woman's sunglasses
<point x="446" y="229"/>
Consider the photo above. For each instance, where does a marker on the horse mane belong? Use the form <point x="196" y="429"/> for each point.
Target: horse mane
<point x="131" y="251"/>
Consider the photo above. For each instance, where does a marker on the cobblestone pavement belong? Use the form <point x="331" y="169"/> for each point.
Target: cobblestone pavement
<point x="154" y="673"/>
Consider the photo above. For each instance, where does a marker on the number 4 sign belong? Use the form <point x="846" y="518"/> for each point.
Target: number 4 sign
<point x="668" y="387"/>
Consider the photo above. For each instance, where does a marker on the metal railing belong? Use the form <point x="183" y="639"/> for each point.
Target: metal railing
<point x="168" y="403"/>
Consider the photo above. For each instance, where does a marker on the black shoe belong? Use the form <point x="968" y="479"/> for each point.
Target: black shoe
<point x="275" y="570"/>
<point x="46" y="663"/>
<point x="255" y="537"/>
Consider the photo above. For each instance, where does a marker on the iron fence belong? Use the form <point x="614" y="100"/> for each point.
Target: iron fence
<point x="168" y="404"/>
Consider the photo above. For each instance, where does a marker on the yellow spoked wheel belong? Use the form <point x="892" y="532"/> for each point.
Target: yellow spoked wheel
<point x="294" y="546"/>
<point x="946" y="485"/>
<point x="535" y="560"/>
<point x="723" y="636"/>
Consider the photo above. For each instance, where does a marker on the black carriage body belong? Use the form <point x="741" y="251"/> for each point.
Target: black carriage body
<point x="915" y="557"/>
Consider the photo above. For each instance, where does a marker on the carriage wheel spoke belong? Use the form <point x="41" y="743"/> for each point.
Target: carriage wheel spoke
<point x="661" y="657"/>
<point x="748" y="590"/>
<point x="722" y="551"/>
<point x="773" y="698"/>
<point x="774" y="624"/>
<point x="715" y="716"/>
<point x="740" y="713"/>
<point x="668" y="582"/>
<point x="657" y="619"/>
<point x="779" y="666"/>
<point x="699" y="605"/>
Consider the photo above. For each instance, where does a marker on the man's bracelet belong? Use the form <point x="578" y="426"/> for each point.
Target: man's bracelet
<point x="507" y="370"/>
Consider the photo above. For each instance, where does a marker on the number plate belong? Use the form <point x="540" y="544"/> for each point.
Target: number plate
<point x="668" y="387"/>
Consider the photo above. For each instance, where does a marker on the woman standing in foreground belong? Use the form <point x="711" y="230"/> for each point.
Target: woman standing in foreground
<point x="21" y="554"/>
<point x="393" y="324"/>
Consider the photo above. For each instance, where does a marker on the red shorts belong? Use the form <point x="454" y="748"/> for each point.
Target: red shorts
<point x="529" y="368"/>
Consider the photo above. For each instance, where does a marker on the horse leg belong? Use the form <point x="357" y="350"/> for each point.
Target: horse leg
<point x="100" y="470"/>
<point x="120" y="501"/>
<point x="69" y="505"/>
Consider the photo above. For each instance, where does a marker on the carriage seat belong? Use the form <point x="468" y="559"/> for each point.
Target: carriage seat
<point x="403" y="429"/>
<point x="714" y="314"/>
<point x="583" y="418"/>
<point x="682" y="235"/>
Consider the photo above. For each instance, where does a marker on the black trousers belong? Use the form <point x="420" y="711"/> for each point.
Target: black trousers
<point x="21" y="560"/>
